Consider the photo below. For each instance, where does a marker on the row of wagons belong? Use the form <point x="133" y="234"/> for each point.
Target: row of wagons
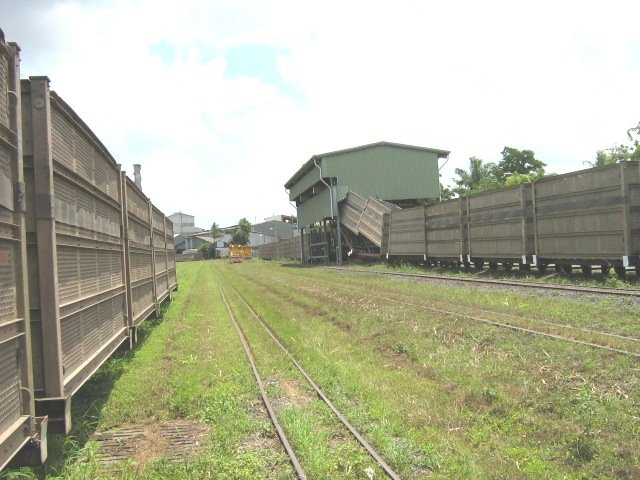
<point x="587" y="218"/>
<point x="85" y="257"/>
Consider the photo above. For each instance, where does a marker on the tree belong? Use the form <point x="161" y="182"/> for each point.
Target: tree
<point x="521" y="162"/>
<point x="205" y="249"/>
<point x="620" y="152"/>
<point x="480" y="177"/>
<point x="518" y="178"/>
<point x="241" y="233"/>
<point x="446" y="193"/>
<point x="216" y="232"/>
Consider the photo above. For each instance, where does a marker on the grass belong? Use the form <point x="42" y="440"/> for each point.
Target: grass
<point x="438" y="395"/>
<point x="503" y="394"/>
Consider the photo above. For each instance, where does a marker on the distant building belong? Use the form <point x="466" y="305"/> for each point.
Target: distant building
<point x="272" y="229"/>
<point x="184" y="223"/>
<point x="192" y="241"/>
<point x="184" y="242"/>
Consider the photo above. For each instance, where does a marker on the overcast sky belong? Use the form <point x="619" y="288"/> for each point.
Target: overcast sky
<point x="222" y="101"/>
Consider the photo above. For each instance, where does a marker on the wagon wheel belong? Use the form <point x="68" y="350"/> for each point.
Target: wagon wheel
<point x="605" y="268"/>
<point x="567" y="268"/>
<point x="558" y="268"/>
<point x="524" y="267"/>
<point x="478" y="264"/>
<point x="507" y="266"/>
<point x="542" y="267"/>
<point x="586" y="269"/>
<point x="493" y="266"/>
<point x="620" y="270"/>
<point x="637" y="269"/>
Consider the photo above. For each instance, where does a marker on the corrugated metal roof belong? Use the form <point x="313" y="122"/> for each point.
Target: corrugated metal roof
<point x="307" y="166"/>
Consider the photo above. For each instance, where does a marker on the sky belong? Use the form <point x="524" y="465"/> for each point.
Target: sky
<point x="222" y="101"/>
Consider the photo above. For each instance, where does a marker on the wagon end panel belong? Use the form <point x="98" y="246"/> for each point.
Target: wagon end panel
<point x="22" y="434"/>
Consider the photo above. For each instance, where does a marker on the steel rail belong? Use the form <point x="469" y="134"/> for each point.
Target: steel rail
<point x="554" y="324"/>
<point x="542" y="286"/>
<point x="361" y="440"/>
<point x="515" y="327"/>
<point x="560" y="325"/>
<point x="247" y="350"/>
<point x="521" y="329"/>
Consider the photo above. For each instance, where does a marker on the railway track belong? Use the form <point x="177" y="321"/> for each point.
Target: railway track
<point x="610" y="341"/>
<point x="510" y="283"/>
<point x="280" y="432"/>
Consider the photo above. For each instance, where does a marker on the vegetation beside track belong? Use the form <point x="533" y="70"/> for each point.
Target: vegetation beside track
<point x="438" y="395"/>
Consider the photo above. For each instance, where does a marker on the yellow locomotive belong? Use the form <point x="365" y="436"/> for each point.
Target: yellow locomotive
<point x="238" y="253"/>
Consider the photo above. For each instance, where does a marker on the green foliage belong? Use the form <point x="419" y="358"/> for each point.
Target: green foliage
<point x="216" y="232"/>
<point x="241" y="233"/>
<point x="518" y="178"/>
<point x="207" y="249"/>
<point x="522" y="162"/>
<point x="480" y="177"/>
<point x="204" y="248"/>
<point x="446" y="193"/>
<point x="516" y="167"/>
<point x="620" y="152"/>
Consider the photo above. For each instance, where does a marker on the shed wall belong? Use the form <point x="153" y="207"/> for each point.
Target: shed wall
<point x="386" y="172"/>
<point x="309" y="180"/>
<point x="315" y="209"/>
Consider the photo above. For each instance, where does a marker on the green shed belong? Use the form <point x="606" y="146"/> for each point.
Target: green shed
<point x="389" y="171"/>
<point x="393" y="172"/>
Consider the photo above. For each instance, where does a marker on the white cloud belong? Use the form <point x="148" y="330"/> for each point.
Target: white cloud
<point x="471" y="77"/>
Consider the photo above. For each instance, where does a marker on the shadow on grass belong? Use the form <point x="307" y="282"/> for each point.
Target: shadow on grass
<point x="86" y="408"/>
<point x="296" y="265"/>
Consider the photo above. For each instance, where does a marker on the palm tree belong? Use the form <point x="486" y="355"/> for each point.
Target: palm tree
<point x="216" y="232"/>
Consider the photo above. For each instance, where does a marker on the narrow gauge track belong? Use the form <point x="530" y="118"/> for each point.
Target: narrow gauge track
<point x="281" y="435"/>
<point x="622" y="344"/>
<point x="509" y="283"/>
